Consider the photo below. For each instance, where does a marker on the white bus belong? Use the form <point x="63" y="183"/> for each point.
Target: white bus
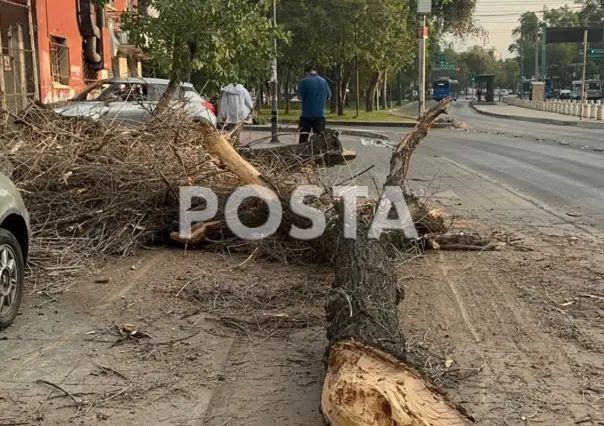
<point x="593" y="89"/>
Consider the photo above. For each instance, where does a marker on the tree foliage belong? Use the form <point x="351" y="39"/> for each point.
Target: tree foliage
<point x="559" y="57"/>
<point x="378" y="37"/>
<point x="226" y="38"/>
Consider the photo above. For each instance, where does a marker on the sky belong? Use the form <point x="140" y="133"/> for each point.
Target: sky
<point x="500" y="17"/>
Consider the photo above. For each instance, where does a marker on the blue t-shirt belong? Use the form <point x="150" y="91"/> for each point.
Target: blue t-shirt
<point x="313" y="91"/>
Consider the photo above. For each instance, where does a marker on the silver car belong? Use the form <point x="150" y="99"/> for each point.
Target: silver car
<point x="15" y="235"/>
<point x="131" y="101"/>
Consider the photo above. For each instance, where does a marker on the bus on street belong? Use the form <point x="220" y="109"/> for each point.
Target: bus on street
<point x="444" y="88"/>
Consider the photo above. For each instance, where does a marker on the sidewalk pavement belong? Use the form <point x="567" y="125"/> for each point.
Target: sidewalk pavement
<point x="192" y="368"/>
<point x="502" y="110"/>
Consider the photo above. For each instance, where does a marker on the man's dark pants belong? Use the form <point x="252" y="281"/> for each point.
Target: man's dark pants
<point x="306" y="124"/>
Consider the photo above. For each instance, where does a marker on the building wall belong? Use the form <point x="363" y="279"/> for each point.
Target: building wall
<point x="58" y="18"/>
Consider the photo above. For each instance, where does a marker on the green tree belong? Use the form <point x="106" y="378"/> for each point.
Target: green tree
<point x="228" y="40"/>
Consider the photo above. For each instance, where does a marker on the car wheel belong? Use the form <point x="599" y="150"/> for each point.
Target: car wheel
<point x="12" y="274"/>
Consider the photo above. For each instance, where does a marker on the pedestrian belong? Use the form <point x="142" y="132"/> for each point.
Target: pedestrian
<point x="313" y="92"/>
<point x="479" y="94"/>
<point x="235" y="108"/>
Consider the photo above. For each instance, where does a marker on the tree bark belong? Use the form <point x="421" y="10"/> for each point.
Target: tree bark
<point x="370" y="99"/>
<point x="343" y="87"/>
<point x="333" y="102"/>
<point x="385" y="91"/>
<point x="367" y="382"/>
<point x="287" y="89"/>
<point x="326" y="149"/>
<point x="259" y="97"/>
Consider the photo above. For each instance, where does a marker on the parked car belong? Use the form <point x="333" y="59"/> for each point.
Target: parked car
<point x="564" y="94"/>
<point x="131" y="101"/>
<point x="14" y="247"/>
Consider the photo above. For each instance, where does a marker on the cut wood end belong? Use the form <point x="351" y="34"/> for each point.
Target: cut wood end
<point x="365" y="386"/>
<point x="198" y="232"/>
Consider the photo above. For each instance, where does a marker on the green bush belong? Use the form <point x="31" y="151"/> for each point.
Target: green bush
<point x="260" y="119"/>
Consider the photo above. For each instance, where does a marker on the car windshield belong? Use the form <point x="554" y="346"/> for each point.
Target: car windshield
<point x="593" y="85"/>
<point x="122" y="91"/>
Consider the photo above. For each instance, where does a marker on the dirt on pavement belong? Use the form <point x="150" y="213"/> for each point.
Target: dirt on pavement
<point x="199" y="338"/>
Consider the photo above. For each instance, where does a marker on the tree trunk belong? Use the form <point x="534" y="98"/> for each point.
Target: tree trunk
<point x="343" y="87"/>
<point x="385" y="91"/>
<point x="333" y="102"/>
<point x="325" y="149"/>
<point x="267" y="90"/>
<point x="259" y="96"/>
<point x="287" y="87"/>
<point x="369" y="100"/>
<point x="367" y="382"/>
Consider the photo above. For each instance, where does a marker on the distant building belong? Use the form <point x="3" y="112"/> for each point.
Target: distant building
<point x="495" y="53"/>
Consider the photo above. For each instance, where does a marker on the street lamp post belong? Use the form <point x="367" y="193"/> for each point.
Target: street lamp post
<point x="274" y="83"/>
<point x="424" y="7"/>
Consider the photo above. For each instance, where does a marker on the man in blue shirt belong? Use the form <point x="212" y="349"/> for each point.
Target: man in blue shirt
<point x="313" y="92"/>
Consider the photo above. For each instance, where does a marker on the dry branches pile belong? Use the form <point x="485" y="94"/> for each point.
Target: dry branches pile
<point x="94" y="191"/>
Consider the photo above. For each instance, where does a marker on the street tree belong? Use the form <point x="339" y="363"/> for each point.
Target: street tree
<point x="228" y="40"/>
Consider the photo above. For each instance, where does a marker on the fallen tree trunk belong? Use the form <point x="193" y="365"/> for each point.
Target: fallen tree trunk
<point x="367" y="381"/>
<point x="325" y="148"/>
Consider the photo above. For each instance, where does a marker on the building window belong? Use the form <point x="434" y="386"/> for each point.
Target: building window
<point x="59" y="60"/>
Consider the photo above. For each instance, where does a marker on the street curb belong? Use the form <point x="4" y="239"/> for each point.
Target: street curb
<point x="344" y="132"/>
<point x="292" y="126"/>
<point x="529" y="119"/>
<point x="591" y="125"/>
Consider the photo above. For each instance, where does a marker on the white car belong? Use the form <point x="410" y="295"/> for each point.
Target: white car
<point x="131" y="101"/>
<point x="15" y="238"/>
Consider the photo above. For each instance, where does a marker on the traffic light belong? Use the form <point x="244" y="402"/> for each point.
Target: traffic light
<point x="592" y="51"/>
<point x="458" y="70"/>
<point x="473" y="78"/>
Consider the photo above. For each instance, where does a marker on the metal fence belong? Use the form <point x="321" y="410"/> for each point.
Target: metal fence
<point x="18" y="81"/>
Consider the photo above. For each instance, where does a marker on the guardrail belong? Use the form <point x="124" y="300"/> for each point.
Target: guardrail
<point x="591" y="109"/>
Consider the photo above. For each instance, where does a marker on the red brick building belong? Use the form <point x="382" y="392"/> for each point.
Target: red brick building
<point x="74" y="42"/>
<point x="78" y="43"/>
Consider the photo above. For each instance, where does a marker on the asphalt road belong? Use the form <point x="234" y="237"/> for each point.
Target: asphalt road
<point x="555" y="165"/>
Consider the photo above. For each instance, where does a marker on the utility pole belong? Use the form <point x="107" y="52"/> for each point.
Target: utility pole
<point x="274" y="83"/>
<point x="521" y="61"/>
<point x="543" y="52"/>
<point x="424" y="7"/>
<point x="356" y="65"/>
<point x="34" y="51"/>
<point x="421" y="90"/>
<point x="584" y="72"/>
<point x="537" y="55"/>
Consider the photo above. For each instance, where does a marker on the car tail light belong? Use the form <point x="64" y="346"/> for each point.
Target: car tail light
<point x="209" y="106"/>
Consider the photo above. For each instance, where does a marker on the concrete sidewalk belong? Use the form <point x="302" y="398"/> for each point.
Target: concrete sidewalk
<point x="502" y="110"/>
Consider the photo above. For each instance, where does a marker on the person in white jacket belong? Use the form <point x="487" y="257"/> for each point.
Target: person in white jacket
<point x="235" y="107"/>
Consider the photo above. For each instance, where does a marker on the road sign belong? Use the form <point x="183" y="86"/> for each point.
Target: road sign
<point x="444" y="66"/>
<point x="424" y="7"/>
<point x="573" y="35"/>
<point x="596" y="53"/>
